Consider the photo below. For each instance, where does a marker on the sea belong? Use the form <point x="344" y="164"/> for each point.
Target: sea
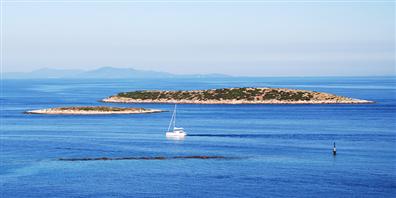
<point x="268" y="150"/>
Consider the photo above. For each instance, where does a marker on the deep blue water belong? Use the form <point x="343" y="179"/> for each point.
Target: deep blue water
<point x="274" y="150"/>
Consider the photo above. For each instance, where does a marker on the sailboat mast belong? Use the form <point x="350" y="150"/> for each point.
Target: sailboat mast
<point x="174" y="121"/>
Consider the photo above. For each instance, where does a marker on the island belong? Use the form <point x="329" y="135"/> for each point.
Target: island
<point x="93" y="110"/>
<point x="233" y="96"/>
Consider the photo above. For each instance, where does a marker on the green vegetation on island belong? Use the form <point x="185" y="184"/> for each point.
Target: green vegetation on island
<point x="232" y="96"/>
<point x="222" y="94"/>
<point x="97" y="108"/>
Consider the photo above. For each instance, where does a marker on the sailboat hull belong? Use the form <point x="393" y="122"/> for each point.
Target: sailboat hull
<point x="175" y="134"/>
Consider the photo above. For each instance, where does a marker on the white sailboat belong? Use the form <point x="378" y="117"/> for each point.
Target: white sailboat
<point x="173" y="131"/>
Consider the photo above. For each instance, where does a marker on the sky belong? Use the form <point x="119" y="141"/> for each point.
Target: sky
<point x="249" y="38"/>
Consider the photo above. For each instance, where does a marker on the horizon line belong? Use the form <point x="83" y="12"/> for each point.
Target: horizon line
<point x="4" y="74"/>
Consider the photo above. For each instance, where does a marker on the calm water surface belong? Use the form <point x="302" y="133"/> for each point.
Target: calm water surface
<point x="275" y="150"/>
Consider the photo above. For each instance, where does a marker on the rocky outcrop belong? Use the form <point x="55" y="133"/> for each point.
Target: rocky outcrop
<point x="92" y="110"/>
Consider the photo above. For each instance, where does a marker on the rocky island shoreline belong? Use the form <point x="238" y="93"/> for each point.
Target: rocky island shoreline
<point x="234" y="96"/>
<point x="93" y="110"/>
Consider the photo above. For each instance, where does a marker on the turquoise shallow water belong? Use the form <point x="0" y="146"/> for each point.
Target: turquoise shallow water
<point x="274" y="150"/>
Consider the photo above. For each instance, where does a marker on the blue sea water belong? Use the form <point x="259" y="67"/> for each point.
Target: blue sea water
<point x="273" y="150"/>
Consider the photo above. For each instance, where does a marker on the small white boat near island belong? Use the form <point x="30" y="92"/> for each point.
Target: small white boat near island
<point x="173" y="131"/>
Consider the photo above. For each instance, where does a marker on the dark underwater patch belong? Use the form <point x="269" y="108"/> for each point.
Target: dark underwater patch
<point x="143" y="158"/>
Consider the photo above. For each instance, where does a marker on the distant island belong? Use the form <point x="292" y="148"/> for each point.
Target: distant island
<point x="233" y="96"/>
<point x="102" y="73"/>
<point x="92" y="110"/>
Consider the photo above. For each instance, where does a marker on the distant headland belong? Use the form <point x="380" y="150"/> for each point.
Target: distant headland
<point x="93" y="110"/>
<point x="103" y="73"/>
<point x="234" y="96"/>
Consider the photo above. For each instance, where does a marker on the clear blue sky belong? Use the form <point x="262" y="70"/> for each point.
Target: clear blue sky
<point x="268" y="38"/>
